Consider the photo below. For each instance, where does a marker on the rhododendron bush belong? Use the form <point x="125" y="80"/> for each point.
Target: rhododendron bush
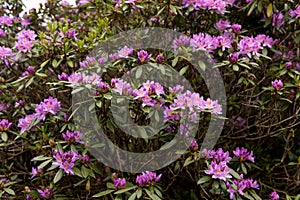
<point x="46" y="60"/>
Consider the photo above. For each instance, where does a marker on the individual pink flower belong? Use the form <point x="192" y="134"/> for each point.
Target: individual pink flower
<point x="218" y="171"/>
<point x="243" y="154"/>
<point x="273" y="195"/>
<point x="277" y="84"/>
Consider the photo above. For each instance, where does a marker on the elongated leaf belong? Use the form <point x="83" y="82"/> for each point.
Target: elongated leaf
<point x="9" y="191"/>
<point x="133" y="196"/>
<point x="125" y="190"/>
<point x="41" y="158"/>
<point x="151" y="195"/>
<point x="100" y="194"/>
<point x="204" y="179"/>
<point x="58" y="176"/>
<point x="270" y="10"/>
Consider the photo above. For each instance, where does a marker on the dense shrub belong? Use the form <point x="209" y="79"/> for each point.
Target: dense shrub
<point x="44" y="55"/>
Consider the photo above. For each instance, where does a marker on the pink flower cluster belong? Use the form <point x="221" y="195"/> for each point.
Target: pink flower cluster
<point x="120" y="183"/>
<point x="252" y="45"/>
<point x="295" y="13"/>
<point x="66" y="160"/>
<point x="241" y="186"/>
<point x="218" y="168"/>
<point x="50" y="105"/>
<point x="5" y="52"/>
<point x="149" y="93"/>
<point x="219" y="6"/>
<point x="5" y="125"/>
<point x="147" y="178"/>
<point x="121" y="87"/>
<point x="72" y="137"/>
<point x="243" y="154"/>
<point x="5" y="20"/>
<point x="206" y="42"/>
<point x="25" y="40"/>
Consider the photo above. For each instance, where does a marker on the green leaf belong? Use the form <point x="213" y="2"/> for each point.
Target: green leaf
<point x="251" y="8"/>
<point x="70" y="63"/>
<point x="125" y="190"/>
<point x="183" y="70"/>
<point x="41" y="158"/>
<point x="9" y="191"/>
<point x="58" y="176"/>
<point x="235" y="68"/>
<point x="235" y="175"/>
<point x="174" y="62"/>
<point x="139" y="72"/>
<point x="110" y="185"/>
<point x="85" y="171"/>
<point x="158" y="192"/>
<point x="4" y="136"/>
<point x="256" y="197"/>
<point x="188" y="161"/>
<point x="248" y="196"/>
<point x="244" y="169"/>
<point x="43" y="164"/>
<point x="152" y="195"/>
<point x="202" y="65"/>
<point x="100" y="194"/>
<point x="204" y="179"/>
<point x="54" y="63"/>
<point x="139" y="193"/>
<point x="288" y="197"/>
<point x="270" y="10"/>
<point x="133" y="196"/>
<point x="45" y="63"/>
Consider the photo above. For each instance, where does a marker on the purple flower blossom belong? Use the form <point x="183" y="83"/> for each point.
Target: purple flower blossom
<point x="218" y="171"/>
<point x="50" y="105"/>
<point x="120" y="183"/>
<point x="47" y="193"/>
<point x="222" y="24"/>
<point x="243" y="154"/>
<point x="288" y="64"/>
<point x="273" y="195"/>
<point x="5" y="20"/>
<point x="66" y="160"/>
<point x="5" y="125"/>
<point x="121" y="87"/>
<point x="295" y="13"/>
<point x="233" y="57"/>
<point x="24" y="45"/>
<point x="36" y="171"/>
<point x="182" y="41"/>
<point x="26" y="35"/>
<point x="194" y="145"/>
<point x="85" y="159"/>
<point x="24" y="123"/>
<point x="82" y="2"/>
<point x="63" y="77"/>
<point x="72" y="137"/>
<point x="125" y="52"/>
<point x="236" y="28"/>
<point x="2" y="33"/>
<point x="20" y="103"/>
<point x="159" y="58"/>
<point x="101" y="61"/>
<point x="5" y="52"/>
<point x="277" y="84"/>
<point x="218" y="155"/>
<point x="4" y="180"/>
<point x="143" y="56"/>
<point x="147" y="178"/>
<point x="277" y="20"/>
